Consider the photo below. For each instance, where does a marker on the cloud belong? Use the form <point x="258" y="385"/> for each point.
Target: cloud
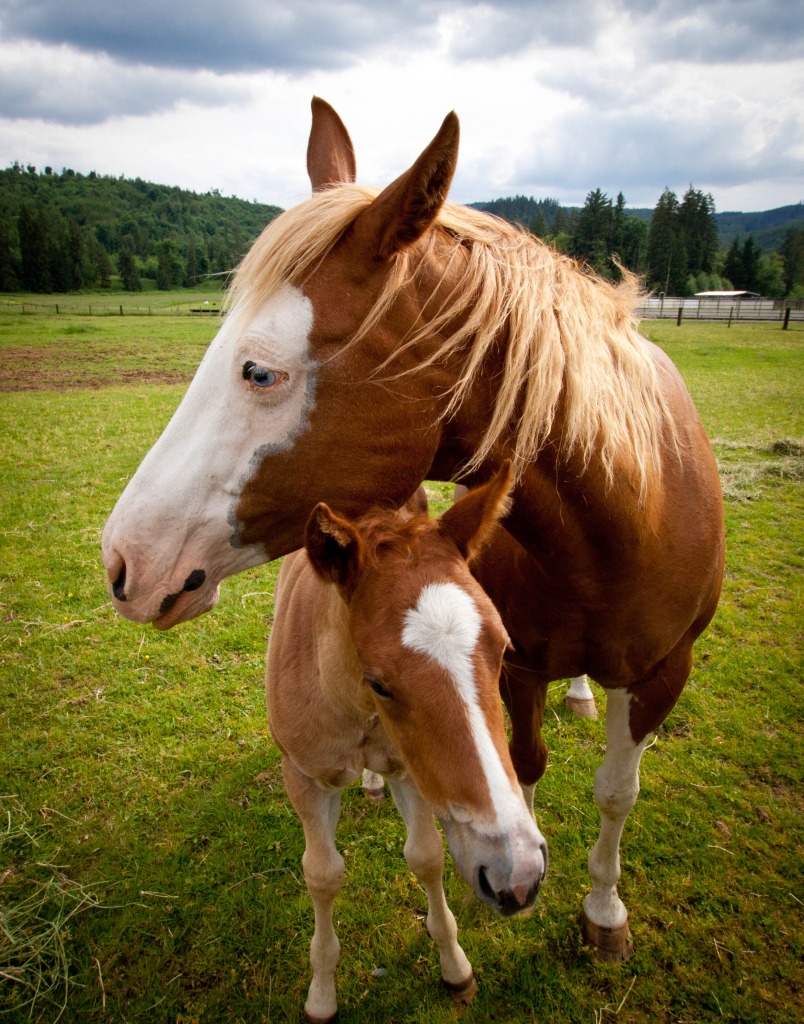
<point x="303" y="35"/>
<point x="239" y="36"/>
<point x="68" y="86"/>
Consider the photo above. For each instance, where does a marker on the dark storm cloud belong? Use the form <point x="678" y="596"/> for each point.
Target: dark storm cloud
<point x="238" y="36"/>
<point x="302" y="35"/>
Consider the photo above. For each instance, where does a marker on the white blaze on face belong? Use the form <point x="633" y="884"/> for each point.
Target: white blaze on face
<point x="445" y="625"/>
<point x="176" y="514"/>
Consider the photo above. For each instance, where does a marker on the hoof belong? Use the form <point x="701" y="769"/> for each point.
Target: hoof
<point x="377" y="795"/>
<point x="464" y="992"/>
<point x="320" y="1020"/>
<point x="611" y="945"/>
<point x="583" y="707"/>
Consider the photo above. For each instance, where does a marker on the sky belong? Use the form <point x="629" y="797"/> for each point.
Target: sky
<point x="555" y="97"/>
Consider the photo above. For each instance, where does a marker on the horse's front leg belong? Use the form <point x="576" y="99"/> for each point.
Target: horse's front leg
<point x="323" y="868"/>
<point x="524" y="694"/>
<point x="424" y="852"/>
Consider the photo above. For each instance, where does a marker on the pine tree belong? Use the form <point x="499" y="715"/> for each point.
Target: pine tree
<point x="127" y="268"/>
<point x="666" y="256"/>
<point x="591" y="236"/>
<point x="34" y="251"/>
<point x="697" y="224"/>
<point x="792" y="252"/>
<point x="733" y="267"/>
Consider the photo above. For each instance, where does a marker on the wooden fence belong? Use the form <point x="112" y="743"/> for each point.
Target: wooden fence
<point x="671" y="308"/>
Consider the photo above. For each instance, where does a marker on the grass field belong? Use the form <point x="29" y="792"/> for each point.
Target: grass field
<point x="149" y="858"/>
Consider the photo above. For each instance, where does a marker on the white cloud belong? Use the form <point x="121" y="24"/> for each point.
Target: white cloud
<point x="555" y="98"/>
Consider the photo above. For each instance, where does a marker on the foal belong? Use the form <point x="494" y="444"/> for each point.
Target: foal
<point x="385" y="654"/>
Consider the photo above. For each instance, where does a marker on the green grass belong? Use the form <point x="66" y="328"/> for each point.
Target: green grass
<point x="150" y="860"/>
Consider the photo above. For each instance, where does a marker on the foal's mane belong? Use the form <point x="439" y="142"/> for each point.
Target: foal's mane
<point x="570" y="337"/>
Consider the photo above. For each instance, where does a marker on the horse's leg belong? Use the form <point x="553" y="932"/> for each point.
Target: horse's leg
<point x="424" y="852"/>
<point x="631" y="716"/>
<point x="323" y="873"/>
<point x="373" y="785"/>
<point x="580" y="699"/>
<point x="525" y="694"/>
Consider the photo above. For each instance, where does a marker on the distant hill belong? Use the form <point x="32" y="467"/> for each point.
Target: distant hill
<point x="87" y="223"/>
<point x="768" y="227"/>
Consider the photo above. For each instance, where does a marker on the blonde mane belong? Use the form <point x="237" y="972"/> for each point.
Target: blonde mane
<point x="571" y="339"/>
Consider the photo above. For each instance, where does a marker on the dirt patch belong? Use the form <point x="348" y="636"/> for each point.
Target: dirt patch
<point x="45" y="369"/>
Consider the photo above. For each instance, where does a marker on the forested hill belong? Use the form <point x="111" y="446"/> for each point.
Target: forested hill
<point x="67" y="230"/>
<point x="768" y="227"/>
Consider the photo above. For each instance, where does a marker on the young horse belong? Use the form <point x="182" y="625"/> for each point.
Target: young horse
<point x="378" y="340"/>
<point x="385" y="655"/>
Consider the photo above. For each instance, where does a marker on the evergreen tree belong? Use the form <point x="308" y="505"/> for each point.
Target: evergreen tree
<point x="169" y="271"/>
<point x="591" y="236"/>
<point x="9" y="278"/>
<point x="751" y="259"/>
<point x="733" y="267"/>
<point x="127" y="268"/>
<point x="666" y="255"/>
<point x="697" y="224"/>
<point x="792" y="252"/>
<point x="34" y="251"/>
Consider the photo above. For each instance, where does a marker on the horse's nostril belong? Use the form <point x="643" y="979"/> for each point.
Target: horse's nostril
<point x="119" y="585"/>
<point x="195" y="580"/>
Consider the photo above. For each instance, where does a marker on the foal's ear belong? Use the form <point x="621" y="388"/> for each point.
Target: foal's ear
<point x="408" y="206"/>
<point x="471" y="520"/>
<point x="333" y="547"/>
<point x="330" y="154"/>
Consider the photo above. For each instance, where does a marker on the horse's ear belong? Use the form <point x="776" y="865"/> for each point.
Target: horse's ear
<point x="403" y="211"/>
<point x="471" y="520"/>
<point x="330" y="154"/>
<point x="334" y="548"/>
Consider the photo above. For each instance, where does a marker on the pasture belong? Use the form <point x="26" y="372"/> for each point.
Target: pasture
<point x="149" y="858"/>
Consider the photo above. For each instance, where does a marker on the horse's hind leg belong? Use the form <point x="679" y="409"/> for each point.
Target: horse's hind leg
<point x="580" y="699"/>
<point x="424" y="852"/>
<point x="323" y="873"/>
<point x="373" y="785"/>
<point x="631" y="716"/>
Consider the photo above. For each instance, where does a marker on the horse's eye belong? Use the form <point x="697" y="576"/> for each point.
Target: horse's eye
<point x="260" y="376"/>
<point x="378" y="688"/>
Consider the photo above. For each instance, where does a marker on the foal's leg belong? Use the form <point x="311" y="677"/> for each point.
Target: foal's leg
<point x="424" y="852"/>
<point x="631" y="716"/>
<point x="323" y="873"/>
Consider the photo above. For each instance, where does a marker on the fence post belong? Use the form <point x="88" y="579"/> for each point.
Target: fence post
<point x="731" y="310"/>
<point x="121" y="309"/>
<point x="678" y="318"/>
<point x="786" y="318"/>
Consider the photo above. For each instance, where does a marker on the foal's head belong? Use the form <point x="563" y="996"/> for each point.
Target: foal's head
<point x="431" y="645"/>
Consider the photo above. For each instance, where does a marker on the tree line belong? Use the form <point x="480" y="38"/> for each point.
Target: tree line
<point x="676" y="247"/>
<point x="67" y="231"/>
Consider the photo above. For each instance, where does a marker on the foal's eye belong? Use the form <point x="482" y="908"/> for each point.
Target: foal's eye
<point x="260" y="376"/>
<point x="378" y="688"/>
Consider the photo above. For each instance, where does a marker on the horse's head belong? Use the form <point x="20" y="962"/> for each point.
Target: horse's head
<point x="287" y="407"/>
<point x="431" y="645"/>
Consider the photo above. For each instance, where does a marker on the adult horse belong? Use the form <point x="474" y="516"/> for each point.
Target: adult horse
<point x="378" y="339"/>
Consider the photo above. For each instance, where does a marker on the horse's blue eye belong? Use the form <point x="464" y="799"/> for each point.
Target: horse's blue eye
<point x="260" y="376"/>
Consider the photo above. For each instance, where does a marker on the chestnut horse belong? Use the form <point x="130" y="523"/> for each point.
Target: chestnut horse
<point x="385" y="654"/>
<point x="375" y="340"/>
